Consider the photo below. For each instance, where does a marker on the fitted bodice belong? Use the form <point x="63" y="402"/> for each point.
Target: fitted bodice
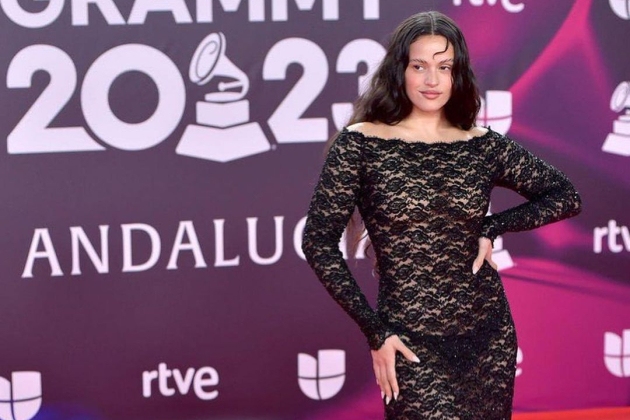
<point x="424" y="206"/>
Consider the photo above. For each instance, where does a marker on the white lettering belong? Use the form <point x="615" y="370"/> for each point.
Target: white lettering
<point x="78" y="236"/>
<point x="256" y="10"/>
<point x="147" y="378"/>
<point x="108" y="9"/>
<point x="598" y="238"/>
<point x="127" y="229"/>
<point x="200" y="380"/>
<point x="33" y="133"/>
<point x="507" y="4"/>
<point x="613" y="231"/>
<point x="43" y="236"/>
<point x="183" y="384"/>
<point x="252" y="241"/>
<point x="298" y="237"/>
<point x="186" y="228"/>
<point x="371" y="9"/>
<point x="330" y="9"/>
<point x="511" y="7"/>
<point x="99" y="80"/>
<point x="204" y="9"/>
<point x="26" y="19"/>
<point x="206" y="376"/>
<point x="142" y="246"/>
<point x="280" y="9"/>
<point x="141" y="8"/>
<point x="625" y="234"/>
<point x="163" y="374"/>
<point x="219" y="252"/>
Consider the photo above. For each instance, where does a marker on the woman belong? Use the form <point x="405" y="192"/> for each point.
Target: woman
<point x="420" y="172"/>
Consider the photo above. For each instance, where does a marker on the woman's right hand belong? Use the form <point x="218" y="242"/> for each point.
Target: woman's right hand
<point x="384" y="364"/>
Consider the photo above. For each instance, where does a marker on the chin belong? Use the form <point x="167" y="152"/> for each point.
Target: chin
<point x="430" y="109"/>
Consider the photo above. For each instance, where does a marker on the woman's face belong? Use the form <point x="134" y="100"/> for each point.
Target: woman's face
<point x="428" y="77"/>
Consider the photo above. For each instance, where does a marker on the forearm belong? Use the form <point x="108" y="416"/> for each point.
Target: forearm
<point x="554" y="205"/>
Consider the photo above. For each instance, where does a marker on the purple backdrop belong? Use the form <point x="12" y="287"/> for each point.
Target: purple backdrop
<point x="160" y="156"/>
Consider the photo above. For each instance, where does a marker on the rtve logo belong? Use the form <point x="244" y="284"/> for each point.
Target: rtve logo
<point x="621" y="8"/>
<point x="611" y="232"/>
<point x="200" y="380"/>
<point x="617" y="353"/>
<point x="507" y="4"/>
<point x="21" y="398"/>
<point x="496" y="111"/>
<point x="322" y="378"/>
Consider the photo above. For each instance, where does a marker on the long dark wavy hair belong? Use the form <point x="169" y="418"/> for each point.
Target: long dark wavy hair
<point x="386" y="101"/>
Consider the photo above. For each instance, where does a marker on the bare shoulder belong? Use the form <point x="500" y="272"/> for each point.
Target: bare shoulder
<point x="362" y="127"/>
<point x="477" y="132"/>
<point x="372" y="129"/>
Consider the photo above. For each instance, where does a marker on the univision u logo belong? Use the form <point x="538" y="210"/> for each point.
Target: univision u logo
<point x="496" y="111"/>
<point x="322" y="378"/>
<point x="617" y="353"/>
<point x="21" y="398"/>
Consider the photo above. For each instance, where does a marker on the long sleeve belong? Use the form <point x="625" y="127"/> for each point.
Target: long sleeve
<point x="331" y="207"/>
<point x="551" y="196"/>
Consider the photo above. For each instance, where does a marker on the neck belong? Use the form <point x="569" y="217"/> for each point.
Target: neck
<point x="428" y="122"/>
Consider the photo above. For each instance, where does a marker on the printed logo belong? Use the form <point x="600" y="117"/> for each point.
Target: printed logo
<point x="507" y="4"/>
<point x="519" y="360"/>
<point x="322" y="378"/>
<point x="617" y="353"/>
<point x="223" y="131"/>
<point x="618" y="142"/>
<point x="621" y="8"/>
<point x="612" y="232"/>
<point x="21" y="398"/>
<point x="200" y="380"/>
<point x="496" y="111"/>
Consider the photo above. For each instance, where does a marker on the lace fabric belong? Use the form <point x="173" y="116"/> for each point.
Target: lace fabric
<point x="424" y="206"/>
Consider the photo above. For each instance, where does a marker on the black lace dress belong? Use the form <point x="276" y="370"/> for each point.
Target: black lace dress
<point x="424" y="206"/>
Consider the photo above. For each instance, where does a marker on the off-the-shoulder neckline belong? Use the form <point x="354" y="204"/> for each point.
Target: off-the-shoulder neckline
<point x="398" y="140"/>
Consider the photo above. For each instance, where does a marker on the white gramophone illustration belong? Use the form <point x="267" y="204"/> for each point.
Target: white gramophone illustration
<point x="223" y="131"/>
<point x="618" y="142"/>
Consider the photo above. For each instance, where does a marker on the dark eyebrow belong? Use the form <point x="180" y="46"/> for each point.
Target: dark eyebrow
<point x="424" y="61"/>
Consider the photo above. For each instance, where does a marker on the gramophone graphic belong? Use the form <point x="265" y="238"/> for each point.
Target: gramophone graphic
<point x="223" y="131"/>
<point x="618" y="142"/>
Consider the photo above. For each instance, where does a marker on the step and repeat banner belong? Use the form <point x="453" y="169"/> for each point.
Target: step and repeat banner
<point x="158" y="161"/>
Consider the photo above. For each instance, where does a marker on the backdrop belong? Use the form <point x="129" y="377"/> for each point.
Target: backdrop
<point x="158" y="163"/>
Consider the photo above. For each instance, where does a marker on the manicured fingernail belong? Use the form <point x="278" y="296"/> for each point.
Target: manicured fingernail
<point x="382" y="395"/>
<point x="395" y="395"/>
<point x="475" y="269"/>
<point x="387" y="400"/>
<point x="415" y="359"/>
